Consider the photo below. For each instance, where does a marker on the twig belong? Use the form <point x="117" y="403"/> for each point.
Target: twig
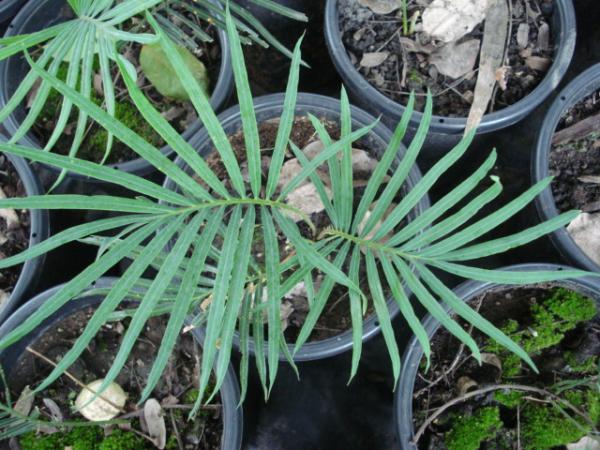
<point x="496" y="387"/>
<point x="74" y="379"/>
<point x="177" y="435"/>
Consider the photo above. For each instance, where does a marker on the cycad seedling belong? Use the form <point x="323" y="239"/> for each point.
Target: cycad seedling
<point x="210" y="269"/>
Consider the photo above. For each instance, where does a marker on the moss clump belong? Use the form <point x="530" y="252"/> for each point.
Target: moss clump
<point x="510" y="399"/>
<point x="82" y="438"/>
<point x="469" y="432"/>
<point x="587" y="366"/>
<point x="546" y="427"/>
<point x="94" y="144"/>
<point x="562" y="311"/>
<point x="79" y="438"/>
<point x="122" y="440"/>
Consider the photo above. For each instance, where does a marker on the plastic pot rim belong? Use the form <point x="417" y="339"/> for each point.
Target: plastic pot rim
<point x="39" y="230"/>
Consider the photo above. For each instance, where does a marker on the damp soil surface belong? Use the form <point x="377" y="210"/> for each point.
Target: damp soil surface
<point x="336" y="317"/>
<point x="176" y="390"/>
<point x="577" y="160"/>
<point x="408" y="66"/>
<point x="569" y="356"/>
<point x="14" y="234"/>
<point x="181" y="115"/>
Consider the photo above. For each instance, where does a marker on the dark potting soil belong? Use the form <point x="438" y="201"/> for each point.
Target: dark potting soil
<point x="407" y="69"/>
<point x="179" y="114"/>
<point x="336" y="316"/>
<point x="576" y="158"/>
<point x="176" y="389"/>
<point x="454" y="373"/>
<point x="14" y="235"/>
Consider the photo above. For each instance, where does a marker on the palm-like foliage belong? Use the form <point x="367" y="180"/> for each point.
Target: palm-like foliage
<point x="210" y="229"/>
<point x="97" y="32"/>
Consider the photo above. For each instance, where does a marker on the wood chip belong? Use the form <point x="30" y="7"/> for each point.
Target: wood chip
<point x="543" y="40"/>
<point x="155" y="422"/>
<point x="381" y="6"/>
<point x="455" y="60"/>
<point x="449" y="20"/>
<point x="9" y="215"/>
<point x="465" y="384"/>
<point x="595" y="179"/>
<point x="538" y="63"/>
<point x="97" y="81"/>
<point x="490" y="60"/>
<point x="523" y="35"/>
<point x="581" y="129"/>
<point x="373" y="59"/>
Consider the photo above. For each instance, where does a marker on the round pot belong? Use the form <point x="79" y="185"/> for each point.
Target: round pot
<point x="8" y="9"/>
<point x="271" y="106"/>
<point x="468" y="291"/>
<point x="39" y="231"/>
<point x="39" y="14"/>
<point x="229" y="392"/>
<point x="576" y="90"/>
<point x="367" y="96"/>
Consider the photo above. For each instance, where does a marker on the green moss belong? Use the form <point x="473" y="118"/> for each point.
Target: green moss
<point x="587" y="366"/>
<point x="468" y="432"/>
<point x="546" y="427"/>
<point x="122" y="440"/>
<point x="79" y="438"/>
<point x="510" y="399"/>
<point x="562" y="311"/>
<point x="83" y="438"/>
<point x="190" y="396"/>
<point x="94" y="145"/>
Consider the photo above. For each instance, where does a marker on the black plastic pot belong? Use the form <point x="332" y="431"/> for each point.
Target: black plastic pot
<point x="39" y="14"/>
<point x="582" y="86"/>
<point x="39" y="231"/>
<point x="468" y="291"/>
<point x="8" y="9"/>
<point x="229" y="392"/>
<point x="368" y="97"/>
<point x="269" y="107"/>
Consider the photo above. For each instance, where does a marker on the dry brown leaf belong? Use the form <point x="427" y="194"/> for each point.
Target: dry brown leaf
<point x="381" y="6"/>
<point x="155" y="422"/>
<point x="464" y="384"/>
<point x="449" y="20"/>
<point x="414" y="46"/>
<point x="523" y="35"/>
<point x="173" y="112"/>
<point x="97" y="81"/>
<point x="491" y="359"/>
<point x="501" y="77"/>
<point x="285" y="311"/>
<point x="490" y="60"/>
<point x="455" y="60"/>
<point x="306" y="199"/>
<point x="55" y="411"/>
<point x="373" y="59"/>
<point x="538" y="63"/>
<point x="585" y="231"/>
<point x="33" y="92"/>
<point x="25" y="401"/>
